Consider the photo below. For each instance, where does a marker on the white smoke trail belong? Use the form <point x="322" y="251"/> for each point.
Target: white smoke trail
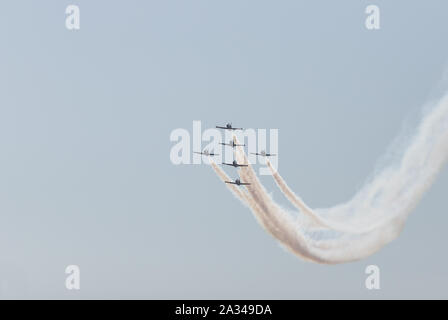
<point x="247" y="200"/>
<point x="294" y="235"/>
<point x="372" y="218"/>
<point x="234" y="189"/>
<point x="316" y="219"/>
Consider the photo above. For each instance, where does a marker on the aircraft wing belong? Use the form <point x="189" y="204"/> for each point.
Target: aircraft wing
<point x="264" y="155"/>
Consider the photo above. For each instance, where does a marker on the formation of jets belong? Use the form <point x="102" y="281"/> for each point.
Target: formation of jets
<point x="234" y="163"/>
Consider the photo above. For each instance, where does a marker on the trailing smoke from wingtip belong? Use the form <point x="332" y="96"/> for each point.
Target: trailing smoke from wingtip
<point x="373" y="217"/>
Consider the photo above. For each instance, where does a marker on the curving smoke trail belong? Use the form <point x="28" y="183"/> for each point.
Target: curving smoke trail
<point x="371" y="219"/>
<point x="247" y="200"/>
<point x="315" y="218"/>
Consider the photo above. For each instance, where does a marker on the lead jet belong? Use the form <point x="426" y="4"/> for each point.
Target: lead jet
<point x="206" y="153"/>
<point x="235" y="164"/>
<point x="264" y="154"/>
<point x="228" y="126"/>
<point x="232" y="144"/>
<point x="238" y="183"/>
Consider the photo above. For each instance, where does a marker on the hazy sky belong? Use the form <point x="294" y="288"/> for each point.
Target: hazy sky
<point x="86" y="116"/>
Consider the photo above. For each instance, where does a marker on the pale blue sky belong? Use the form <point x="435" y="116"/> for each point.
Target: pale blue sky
<point x="85" y="119"/>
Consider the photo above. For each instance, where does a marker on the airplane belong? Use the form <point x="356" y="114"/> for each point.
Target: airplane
<point x="206" y="153"/>
<point x="264" y="154"/>
<point x="232" y="144"/>
<point x="228" y="127"/>
<point x="238" y="183"/>
<point x="235" y="164"/>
